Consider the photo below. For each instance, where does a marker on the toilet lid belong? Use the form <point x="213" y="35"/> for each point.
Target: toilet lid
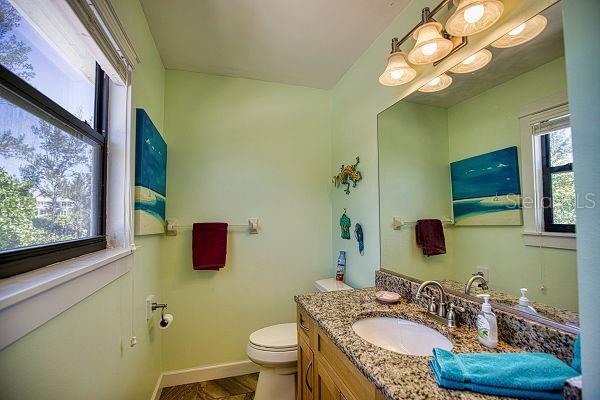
<point x="282" y="336"/>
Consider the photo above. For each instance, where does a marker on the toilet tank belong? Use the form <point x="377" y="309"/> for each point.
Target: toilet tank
<point x="330" y="284"/>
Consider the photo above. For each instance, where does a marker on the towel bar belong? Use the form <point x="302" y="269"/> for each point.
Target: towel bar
<point x="398" y="223"/>
<point x="173" y="226"/>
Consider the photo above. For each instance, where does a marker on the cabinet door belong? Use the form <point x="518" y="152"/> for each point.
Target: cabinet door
<point x="305" y="371"/>
<point x="325" y="388"/>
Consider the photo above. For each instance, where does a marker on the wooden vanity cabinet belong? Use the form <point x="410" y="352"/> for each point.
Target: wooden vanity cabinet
<point x="304" y="388"/>
<point x="324" y="372"/>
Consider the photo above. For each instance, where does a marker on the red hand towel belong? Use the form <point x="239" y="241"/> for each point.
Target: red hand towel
<point x="209" y="245"/>
<point x="430" y="237"/>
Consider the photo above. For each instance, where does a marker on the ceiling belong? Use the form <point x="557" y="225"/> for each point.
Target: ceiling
<point x="300" y="42"/>
<point x="506" y="64"/>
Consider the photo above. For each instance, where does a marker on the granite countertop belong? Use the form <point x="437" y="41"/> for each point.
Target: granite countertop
<point x="397" y="376"/>
<point x="557" y="314"/>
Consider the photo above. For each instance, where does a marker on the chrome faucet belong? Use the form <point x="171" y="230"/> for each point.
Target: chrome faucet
<point x="433" y="308"/>
<point x="476" y="277"/>
<point x="439" y="311"/>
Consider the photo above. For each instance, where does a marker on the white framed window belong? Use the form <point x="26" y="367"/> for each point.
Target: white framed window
<point x="78" y="31"/>
<point x="549" y="199"/>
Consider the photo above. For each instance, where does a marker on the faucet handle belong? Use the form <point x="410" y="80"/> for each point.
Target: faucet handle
<point x="457" y="308"/>
<point x="431" y="307"/>
<point x="453" y="308"/>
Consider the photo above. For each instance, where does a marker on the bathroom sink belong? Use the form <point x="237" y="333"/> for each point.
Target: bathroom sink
<point x="400" y="335"/>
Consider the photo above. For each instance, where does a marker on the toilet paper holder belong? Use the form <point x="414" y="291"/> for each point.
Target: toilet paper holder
<point x="163" y="321"/>
<point x="156" y="306"/>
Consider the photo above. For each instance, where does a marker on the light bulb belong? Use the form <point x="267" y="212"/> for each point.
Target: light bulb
<point x="436" y="84"/>
<point x="522" y="33"/>
<point x="470" y="59"/>
<point x="430" y="45"/>
<point x="473" y="62"/>
<point x="517" y="30"/>
<point x="429" y="49"/>
<point x="397" y="73"/>
<point x="474" y="14"/>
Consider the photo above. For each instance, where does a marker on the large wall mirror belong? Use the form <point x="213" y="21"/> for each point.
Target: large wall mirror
<point x="486" y="149"/>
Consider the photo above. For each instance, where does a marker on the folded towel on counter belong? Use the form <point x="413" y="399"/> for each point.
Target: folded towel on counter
<point x="525" y="375"/>
<point x="209" y="245"/>
<point x="430" y="236"/>
<point x="576" y="363"/>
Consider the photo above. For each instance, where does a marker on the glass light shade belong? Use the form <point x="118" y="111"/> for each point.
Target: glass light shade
<point x="473" y="62"/>
<point x="430" y="46"/>
<point x="397" y="72"/>
<point x="473" y="16"/>
<point x="437" y="84"/>
<point x="522" y="33"/>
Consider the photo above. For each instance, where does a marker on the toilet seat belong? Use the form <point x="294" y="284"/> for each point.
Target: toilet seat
<point x="275" y="345"/>
<point x="275" y="337"/>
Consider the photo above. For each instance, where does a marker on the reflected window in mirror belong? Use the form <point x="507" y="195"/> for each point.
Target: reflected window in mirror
<point x="556" y="149"/>
<point x="552" y="155"/>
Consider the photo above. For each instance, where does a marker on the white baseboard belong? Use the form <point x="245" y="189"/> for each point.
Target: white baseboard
<point x="201" y="374"/>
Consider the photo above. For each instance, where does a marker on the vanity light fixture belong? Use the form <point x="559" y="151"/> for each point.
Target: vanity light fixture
<point x="397" y="72"/>
<point x="522" y="33"/>
<point x="437" y="84"/>
<point x="473" y="16"/>
<point x="473" y="62"/>
<point x="431" y="46"/>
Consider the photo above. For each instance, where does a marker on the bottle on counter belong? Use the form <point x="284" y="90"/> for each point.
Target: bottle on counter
<point x="524" y="303"/>
<point x="341" y="266"/>
<point x="487" y="325"/>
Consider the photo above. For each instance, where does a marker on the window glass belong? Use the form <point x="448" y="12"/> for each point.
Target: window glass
<point x="563" y="198"/>
<point x="561" y="147"/>
<point x="27" y="54"/>
<point x="558" y="177"/>
<point x="48" y="191"/>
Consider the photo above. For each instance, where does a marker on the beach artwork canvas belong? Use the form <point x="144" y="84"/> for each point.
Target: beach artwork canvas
<point x="150" y="177"/>
<point x="486" y="189"/>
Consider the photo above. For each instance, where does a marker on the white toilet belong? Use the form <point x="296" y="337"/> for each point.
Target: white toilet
<point x="275" y="350"/>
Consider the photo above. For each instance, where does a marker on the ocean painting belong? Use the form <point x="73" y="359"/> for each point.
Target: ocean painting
<point x="150" y="177"/>
<point x="486" y="189"/>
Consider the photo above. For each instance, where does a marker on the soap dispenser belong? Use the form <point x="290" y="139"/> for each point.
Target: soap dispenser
<point x="524" y="303"/>
<point x="487" y="326"/>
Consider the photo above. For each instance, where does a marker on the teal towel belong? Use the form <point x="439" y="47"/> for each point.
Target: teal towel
<point x="577" y="354"/>
<point x="525" y="375"/>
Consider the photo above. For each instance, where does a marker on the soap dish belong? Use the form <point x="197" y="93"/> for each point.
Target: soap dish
<point x="387" y="297"/>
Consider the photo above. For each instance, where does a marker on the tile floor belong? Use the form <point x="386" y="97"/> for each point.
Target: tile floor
<point x="235" y="388"/>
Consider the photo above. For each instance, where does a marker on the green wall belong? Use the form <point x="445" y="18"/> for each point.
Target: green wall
<point x="84" y="352"/>
<point x="414" y="183"/>
<point x="583" y="56"/>
<point x="241" y="148"/>
<point x="487" y="122"/>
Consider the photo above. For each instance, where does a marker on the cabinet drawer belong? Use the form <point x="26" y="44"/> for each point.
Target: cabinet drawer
<point x="352" y="383"/>
<point x="306" y="368"/>
<point x="305" y="326"/>
<point x="325" y="387"/>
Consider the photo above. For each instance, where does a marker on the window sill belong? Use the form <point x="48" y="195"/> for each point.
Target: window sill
<point x="29" y="300"/>
<point x="555" y="240"/>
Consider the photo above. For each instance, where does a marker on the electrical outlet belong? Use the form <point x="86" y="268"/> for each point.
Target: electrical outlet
<point x="485" y="271"/>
